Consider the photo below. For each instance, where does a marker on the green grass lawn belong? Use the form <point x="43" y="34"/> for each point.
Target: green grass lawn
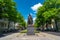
<point x="25" y="31"/>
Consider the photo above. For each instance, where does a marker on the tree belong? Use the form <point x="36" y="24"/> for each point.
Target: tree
<point x="48" y="11"/>
<point x="53" y="6"/>
<point x="8" y="10"/>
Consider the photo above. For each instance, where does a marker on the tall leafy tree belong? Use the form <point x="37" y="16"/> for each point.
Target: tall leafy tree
<point x="8" y="10"/>
<point x="49" y="10"/>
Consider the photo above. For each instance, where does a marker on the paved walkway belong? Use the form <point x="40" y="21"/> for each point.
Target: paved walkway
<point x="38" y="36"/>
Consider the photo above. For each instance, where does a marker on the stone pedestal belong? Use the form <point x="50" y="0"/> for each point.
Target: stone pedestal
<point x="30" y="30"/>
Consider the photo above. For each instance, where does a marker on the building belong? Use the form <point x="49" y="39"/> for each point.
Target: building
<point x="3" y="24"/>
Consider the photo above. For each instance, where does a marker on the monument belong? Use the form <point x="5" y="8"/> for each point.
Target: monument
<point x="30" y="28"/>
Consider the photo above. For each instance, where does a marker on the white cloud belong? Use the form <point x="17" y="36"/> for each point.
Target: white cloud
<point x="26" y="20"/>
<point x="36" y="6"/>
<point x="34" y="19"/>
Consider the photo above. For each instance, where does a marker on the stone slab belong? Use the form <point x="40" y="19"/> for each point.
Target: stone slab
<point x="30" y="30"/>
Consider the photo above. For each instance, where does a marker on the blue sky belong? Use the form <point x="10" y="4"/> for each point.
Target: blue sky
<point x="28" y="6"/>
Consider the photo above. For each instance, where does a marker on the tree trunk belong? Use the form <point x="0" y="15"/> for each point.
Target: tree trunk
<point x="46" y="25"/>
<point x="42" y="26"/>
<point x="56" y="25"/>
<point x="14" y="25"/>
<point x="8" y="25"/>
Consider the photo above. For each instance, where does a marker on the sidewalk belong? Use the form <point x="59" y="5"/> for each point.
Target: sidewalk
<point x="38" y="36"/>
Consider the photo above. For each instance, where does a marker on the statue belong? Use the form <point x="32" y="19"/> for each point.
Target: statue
<point x="30" y="28"/>
<point x="30" y="20"/>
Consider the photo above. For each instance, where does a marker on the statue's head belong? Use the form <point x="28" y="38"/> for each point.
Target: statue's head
<point x="30" y="20"/>
<point x="29" y="14"/>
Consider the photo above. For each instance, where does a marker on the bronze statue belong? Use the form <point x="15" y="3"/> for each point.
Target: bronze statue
<point x="30" y="20"/>
<point x="30" y="28"/>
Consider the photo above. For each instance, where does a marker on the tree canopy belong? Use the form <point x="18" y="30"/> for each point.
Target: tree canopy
<point x="8" y="10"/>
<point x="49" y="10"/>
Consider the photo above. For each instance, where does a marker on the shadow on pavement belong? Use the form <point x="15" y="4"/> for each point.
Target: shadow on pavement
<point x="53" y="33"/>
<point x="8" y="33"/>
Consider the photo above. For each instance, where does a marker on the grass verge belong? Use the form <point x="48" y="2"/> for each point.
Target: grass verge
<point x="25" y="31"/>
